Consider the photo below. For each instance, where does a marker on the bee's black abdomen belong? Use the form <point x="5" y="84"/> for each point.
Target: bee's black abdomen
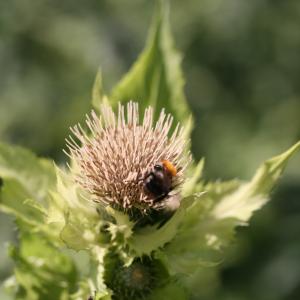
<point x="154" y="186"/>
<point x="157" y="183"/>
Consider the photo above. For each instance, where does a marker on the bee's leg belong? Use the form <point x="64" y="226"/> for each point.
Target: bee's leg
<point x="170" y="206"/>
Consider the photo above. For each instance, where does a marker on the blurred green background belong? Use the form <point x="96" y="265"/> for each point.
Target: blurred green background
<point x="242" y="68"/>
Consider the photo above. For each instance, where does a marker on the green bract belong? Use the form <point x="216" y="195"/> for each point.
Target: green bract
<point x="59" y="226"/>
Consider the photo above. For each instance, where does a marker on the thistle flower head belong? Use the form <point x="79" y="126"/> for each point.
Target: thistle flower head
<point x="118" y="152"/>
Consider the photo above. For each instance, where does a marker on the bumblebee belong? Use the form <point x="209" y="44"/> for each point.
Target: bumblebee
<point x="158" y="182"/>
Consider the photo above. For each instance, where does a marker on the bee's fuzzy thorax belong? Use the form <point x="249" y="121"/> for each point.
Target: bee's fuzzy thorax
<point x="119" y="150"/>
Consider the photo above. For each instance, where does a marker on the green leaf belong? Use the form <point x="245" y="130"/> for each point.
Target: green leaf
<point x="92" y="284"/>
<point x="28" y="212"/>
<point x="78" y="234"/>
<point x="73" y="216"/>
<point x="193" y="184"/>
<point x="251" y="196"/>
<point x="36" y="175"/>
<point x="98" y="254"/>
<point x="87" y="289"/>
<point x="26" y="183"/>
<point x="98" y="96"/>
<point x="156" y="78"/>
<point x="97" y="92"/>
<point x="151" y="238"/>
<point x="14" y="199"/>
<point x="41" y="271"/>
<point x="209" y="222"/>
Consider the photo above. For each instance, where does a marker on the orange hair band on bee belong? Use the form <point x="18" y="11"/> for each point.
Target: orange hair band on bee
<point x="169" y="167"/>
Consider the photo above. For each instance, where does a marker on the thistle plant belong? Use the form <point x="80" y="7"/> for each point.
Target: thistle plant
<point x="131" y="217"/>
